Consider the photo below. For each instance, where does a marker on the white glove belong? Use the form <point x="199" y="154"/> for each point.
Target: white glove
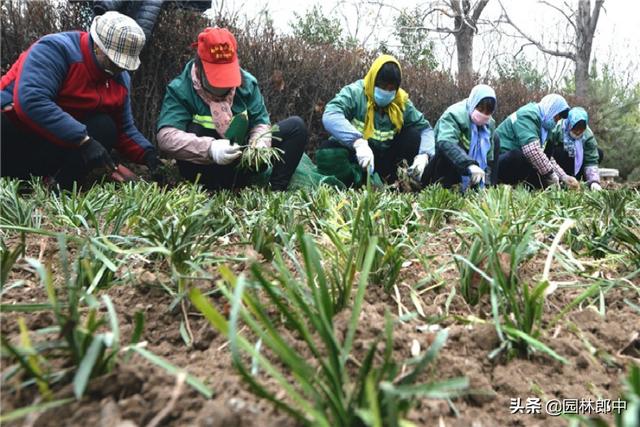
<point x="419" y="163"/>
<point x="477" y="174"/>
<point x="222" y="152"/>
<point x="364" y="154"/>
<point x="551" y="179"/>
<point x="595" y="186"/>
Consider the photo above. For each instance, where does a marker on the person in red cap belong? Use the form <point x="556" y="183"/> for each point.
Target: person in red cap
<point x="199" y="107"/>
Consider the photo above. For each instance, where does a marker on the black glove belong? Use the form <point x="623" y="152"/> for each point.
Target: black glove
<point x="95" y="155"/>
<point x="150" y="159"/>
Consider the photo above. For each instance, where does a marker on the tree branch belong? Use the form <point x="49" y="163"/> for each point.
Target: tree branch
<point x="478" y="9"/>
<point x="593" y="21"/>
<point x="553" y="6"/>
<point x="535" y="42"/>
<point x="456" y="6"/>
<point x="373" y="27"/>
<point x="434" y="30"/>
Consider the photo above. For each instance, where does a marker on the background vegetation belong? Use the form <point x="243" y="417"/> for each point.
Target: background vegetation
<point x="299" y="73"/>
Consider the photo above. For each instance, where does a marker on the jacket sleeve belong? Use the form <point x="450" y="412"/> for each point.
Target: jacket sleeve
<point x="339" y="127"/>
<point x="147" y="15"/>
<point x="338" y="114"/>
<point x="590" y="149"/>
<point x="343" y="103"/>
<point x="448" y="143"/>
<point x="526" y="130"/>
<point x="174" y="112"/>
<point x="102" y="6"/>
<point x="256" y="108"/>
<point x="131" y="143"/>
<point x="38" y="81"/>
<point x="415" y="118"/>
<point x="186" y="146"/>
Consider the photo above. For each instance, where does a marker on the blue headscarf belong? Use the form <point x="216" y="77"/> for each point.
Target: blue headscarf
<point x="480" y="143"/>
<point x="549" y="106"/>
<point x="574" y="147"/>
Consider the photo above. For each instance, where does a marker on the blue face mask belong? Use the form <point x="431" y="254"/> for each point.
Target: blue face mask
<point x="549" y="124"/>
<point x="383" y="97"/>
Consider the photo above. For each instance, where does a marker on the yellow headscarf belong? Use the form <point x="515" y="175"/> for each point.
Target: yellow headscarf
<point x="395" y="109"/>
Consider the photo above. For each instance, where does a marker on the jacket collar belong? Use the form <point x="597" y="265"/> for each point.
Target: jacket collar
<point x="89" y="58"/>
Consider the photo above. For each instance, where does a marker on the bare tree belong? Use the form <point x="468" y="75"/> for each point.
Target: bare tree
<point x="465" y="28"/>
<point x="466" y="16"/>
<point x="582" y="22"/>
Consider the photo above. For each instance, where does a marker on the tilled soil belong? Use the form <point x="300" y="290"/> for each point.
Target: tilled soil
<point x="137" y="391"/>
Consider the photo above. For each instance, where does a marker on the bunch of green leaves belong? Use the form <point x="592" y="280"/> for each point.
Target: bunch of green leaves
<point x="600" y="221"/>
<point x="324" y="391"/>
<point x="80" y="209"/>
<point x="437" y="204"/>
<point x="472" y="285"/>
<point x="500" y="236"/>
<point x="88" y="352"/>
<point x="84" y="342"/>
<point x="8" y="257"/>
<point x="378" y="215"/>
<point x="258" y="159"/>
<point x="17" y="210"/>
<point x="627" y="235"/>
<point x="186" y="238"/>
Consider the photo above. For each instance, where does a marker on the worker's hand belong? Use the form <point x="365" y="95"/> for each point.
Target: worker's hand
<point x="595" y="186"/>
<point x="477" y="174"/>
<point x="151" y="160"/>
<point x="551" y="179"/>
<point x="153" y="163"/>
<point x="263" y="143"/>
<point x="571" y="183"/>
<point x="364" y="155"/>
<point x="94" y="155"/>
<point x="222" y="152"/>
<point x="420" y="162"/>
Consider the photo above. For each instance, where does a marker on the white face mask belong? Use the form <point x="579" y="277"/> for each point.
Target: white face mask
<point x="574" y="135"/>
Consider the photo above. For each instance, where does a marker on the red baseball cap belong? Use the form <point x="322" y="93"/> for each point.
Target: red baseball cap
<point x="218" y="51"/>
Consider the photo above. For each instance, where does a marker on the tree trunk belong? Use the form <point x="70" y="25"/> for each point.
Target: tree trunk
<point x="464" y="50"/>
<point x="582" y="74"/>
<point x="585" y="29"/>
<point x="466" y="21"/>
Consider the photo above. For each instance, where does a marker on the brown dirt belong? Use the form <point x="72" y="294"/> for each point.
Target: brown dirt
<point x="137" y="391"/>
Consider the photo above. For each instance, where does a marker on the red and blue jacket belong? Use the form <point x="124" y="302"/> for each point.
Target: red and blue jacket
<point x="57" y="83"/>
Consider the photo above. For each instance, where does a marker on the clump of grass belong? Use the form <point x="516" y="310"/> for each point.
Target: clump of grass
<point x="324" y="392"/>
<point x="86" y="341"/>
<point x="500" y="237"/>
<point x="88" y="352"/>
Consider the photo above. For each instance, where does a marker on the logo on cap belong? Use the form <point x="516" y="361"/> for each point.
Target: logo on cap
<point x="222" y="53"/>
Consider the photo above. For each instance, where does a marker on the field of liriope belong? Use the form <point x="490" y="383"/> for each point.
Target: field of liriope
<point x="137" y="305"/>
